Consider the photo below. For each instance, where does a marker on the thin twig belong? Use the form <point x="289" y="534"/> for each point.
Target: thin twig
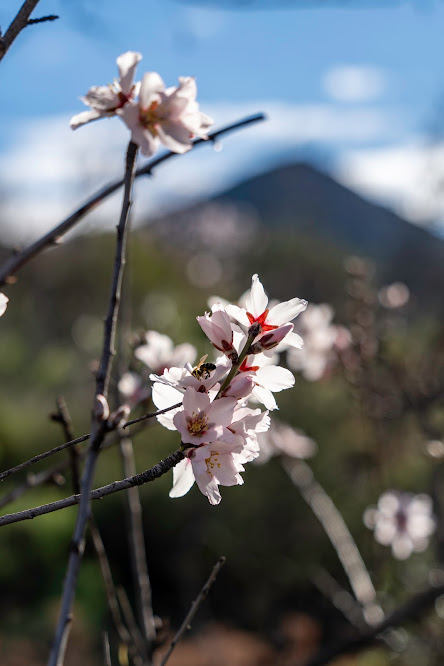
<point x="106" y="650"/>
<point x="79" y="440"/>
<point x="64" y="418"/>
<point x="137" y="480"/>
<point x="18" y="24"/>
<point x="137" y="550"/>
<point x="131" y="620"/>
<point x="19" y="259"/>
<point x="32" y="481"/>
<point x="43" y="19"/>
<point x="98" y="427"/>
<point x="337" y="531"/>
<point x="411" y="610"/>
<point x="186" y="624"/>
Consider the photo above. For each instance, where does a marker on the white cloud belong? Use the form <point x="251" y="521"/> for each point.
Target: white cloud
<point x="50" y="170"/>
<point x="354" y="83"/>
<point x="406" y="177"/>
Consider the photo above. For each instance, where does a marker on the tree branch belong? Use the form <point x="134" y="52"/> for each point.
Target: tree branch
<point x="137" y="480"/>
<point x="13" y="265"/>
<point x="99" y="425"/>
<point x="197" y="603"/>
<point x="18" y="24"/>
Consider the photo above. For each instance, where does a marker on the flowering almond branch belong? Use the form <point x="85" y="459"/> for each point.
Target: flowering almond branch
<point x="20" y="259"/>
<point x="137" y="480"/>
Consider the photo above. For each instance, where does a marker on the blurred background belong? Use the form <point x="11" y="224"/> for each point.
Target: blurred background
<point x="336" y="198"/>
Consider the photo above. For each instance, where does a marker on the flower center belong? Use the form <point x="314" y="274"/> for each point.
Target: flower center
<point x="212" y="462"/>
<point x="149" y="118"/>
<point x="261" y="320"/>
<point x="198" y="425"/>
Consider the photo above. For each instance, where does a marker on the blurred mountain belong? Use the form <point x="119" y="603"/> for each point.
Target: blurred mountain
<point x="299" y="201"/>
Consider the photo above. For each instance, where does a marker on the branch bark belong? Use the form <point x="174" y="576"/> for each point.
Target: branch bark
<point x="18" y="24"/>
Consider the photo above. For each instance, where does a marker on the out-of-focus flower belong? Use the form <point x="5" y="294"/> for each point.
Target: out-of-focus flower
<point x="403" y="521"/>
<point x="256" y="311"/>
<point x="132" y="388"/>
<point x="320" y="338"/>
<point x="105" y="101"/>
<point x="169" y="116"/>
<point x="283" y="440"/>
<point x="159" y="352"/>
<point x="394" y="295"/>
<point x="3" y="304"/>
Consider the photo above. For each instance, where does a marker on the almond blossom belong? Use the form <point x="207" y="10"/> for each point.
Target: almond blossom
<point x="159" y="352"/>
<point x="256" y="311"/>
<point x="169" y="116"/>
<point x="105" y="101"/>
<point x="3" y="303"/>
<point x="321" y="338"/>
<point x="403" y="521"/>
<point x="217" y="326"/>
<point x="202" y="421"/>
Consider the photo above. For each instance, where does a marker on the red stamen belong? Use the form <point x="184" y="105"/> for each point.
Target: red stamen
<point x="261" y="320"/>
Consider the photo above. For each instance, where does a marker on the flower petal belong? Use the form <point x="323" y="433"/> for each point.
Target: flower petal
<point x="152" y="86"/>
<point x="286" y="311"/>
<point x="183" y="478"/>
<point x="275" y="378"/>
<point x="127" y="63"/>
<point x="257" y="300"/>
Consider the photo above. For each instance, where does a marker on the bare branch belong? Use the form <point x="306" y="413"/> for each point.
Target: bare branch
<point x="43" y="19"/>
<point x="73" y="442"/>
<point x="412" y="609"/>
<point x="137" y="480"/>
<point x="337" y="531"/>
<point x="19" y="259"/>
<point x="194" y="608"/>
<point x="98" y="427"/>
<point x="18" y="24"/>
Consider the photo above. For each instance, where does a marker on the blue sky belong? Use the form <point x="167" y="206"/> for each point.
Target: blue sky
<point x="355" y="89"/>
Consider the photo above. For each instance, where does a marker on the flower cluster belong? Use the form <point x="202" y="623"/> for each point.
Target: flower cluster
<point x="403" y="521"/>
<point x="153" y="113"/>
<point x="219" y="431"/>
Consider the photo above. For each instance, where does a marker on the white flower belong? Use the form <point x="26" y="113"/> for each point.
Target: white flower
<point x="256" y="311"/>
<point x="210" y="465"/>
<point x="105" y="101"/>
<point x="159" y="352"/>
<point x="3" y="304"/>
<point x="282" y="439"/>
<point x="320" y="337"/>
<point x="169" y="116"/>
<point x="202" y="421"/>
<point x="402" y="520"/>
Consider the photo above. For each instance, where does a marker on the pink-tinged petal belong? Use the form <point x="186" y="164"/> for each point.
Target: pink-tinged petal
<point x="286" y="311"/>
<point x="183" y="478"/>
<point x="205" y="123"/>
<point x="102" y="98"/>
<point x="181" y="424"/>
<point x="86" y="117"/>
<point x="221" y="319"/>
<point x="221" y="411"/>
<point x="257" y="300"/>
<point x="174" y="137"/>
<point x="150" y="89"/>
<point x="227" y="474"/>
<point x="240" y="387"/>
<point x="3" y="303"/>
<point x="187" y="87"/>
<point x="165" y="396"/>
<point x="127" y="63"/>
<point x="271" y="339"/>
<point x="266" y="397"/>
<point x="208" y="487"/>
<point x="294" y="340"/>
<point x="275" y="378"/>
<point x="239" y="314"/>
<point x="194" y="402"/>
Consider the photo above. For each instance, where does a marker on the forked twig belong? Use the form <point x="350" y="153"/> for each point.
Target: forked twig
<point x="18" y="24"/>
<point x="196" y="604"/>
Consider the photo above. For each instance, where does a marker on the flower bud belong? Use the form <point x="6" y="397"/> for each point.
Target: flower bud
<point x="271" y="339"/>
<point x="119" y="417"/>
<point x="101" y="408"/>
<point x="239" y="387"/>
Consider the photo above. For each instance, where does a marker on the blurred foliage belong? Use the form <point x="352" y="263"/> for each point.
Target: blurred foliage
<point x="51" y="338"/>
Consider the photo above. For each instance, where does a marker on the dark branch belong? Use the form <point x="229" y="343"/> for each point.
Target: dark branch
<point x="18" y="24"/>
